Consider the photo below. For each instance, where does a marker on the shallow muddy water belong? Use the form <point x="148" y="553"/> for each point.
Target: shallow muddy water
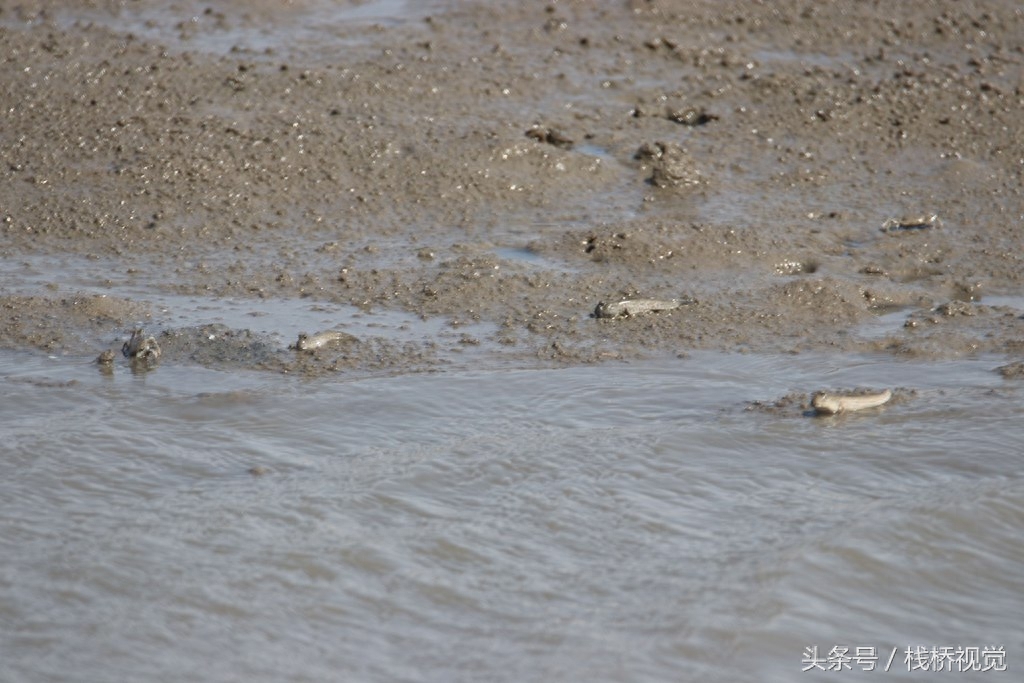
<point x="617" y="523"/>
<point x="266" y="28"/>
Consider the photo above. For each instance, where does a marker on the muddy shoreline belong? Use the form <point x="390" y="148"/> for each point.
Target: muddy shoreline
<point x="495" y="171"/>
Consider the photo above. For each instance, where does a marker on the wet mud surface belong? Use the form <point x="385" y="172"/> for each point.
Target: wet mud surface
<point x="493" y="171"/>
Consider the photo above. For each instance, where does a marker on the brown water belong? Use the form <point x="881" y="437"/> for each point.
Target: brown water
<point x="617" y="523"/>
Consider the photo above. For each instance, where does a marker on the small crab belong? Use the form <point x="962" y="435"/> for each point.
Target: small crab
<point x="141" y="347"/>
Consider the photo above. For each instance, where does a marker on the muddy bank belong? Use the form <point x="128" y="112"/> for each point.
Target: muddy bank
<point x="507" y="166"/>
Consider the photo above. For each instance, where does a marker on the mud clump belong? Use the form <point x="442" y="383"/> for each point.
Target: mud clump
<point x="219" y="346"/>
<point x="1012" y="370"/>
<point x="671" y="166"/>
<point x="793" y="404"/>
<point x="65" y="324"/>
<point x="551" y="136"/>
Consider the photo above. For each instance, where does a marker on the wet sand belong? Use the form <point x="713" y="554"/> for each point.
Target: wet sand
<point x="509" y="167"/>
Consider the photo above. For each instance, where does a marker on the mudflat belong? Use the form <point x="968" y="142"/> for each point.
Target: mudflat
<point x="800" y="170"/>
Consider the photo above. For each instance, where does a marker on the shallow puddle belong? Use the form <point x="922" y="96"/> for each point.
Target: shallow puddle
<point x="268" y="28"/>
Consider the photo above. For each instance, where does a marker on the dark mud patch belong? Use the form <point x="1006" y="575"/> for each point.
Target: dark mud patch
<point x="219" y="346"/>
